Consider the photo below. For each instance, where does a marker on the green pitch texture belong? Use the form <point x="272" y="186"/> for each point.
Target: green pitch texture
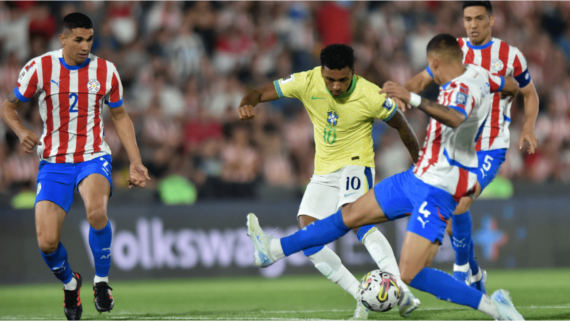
<point x="538" y="294"/>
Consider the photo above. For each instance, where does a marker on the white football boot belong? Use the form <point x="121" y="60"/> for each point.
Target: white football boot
<point x="408" y="303"/>
<point x="260" y="242"/>
<point x="505" y="306"/>
<point x="361" y="312"/>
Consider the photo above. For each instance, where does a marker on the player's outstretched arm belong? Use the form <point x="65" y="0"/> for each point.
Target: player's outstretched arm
<point x="254" y="97"/>
<point x="407" y="134"/>
<point x="138" y="174"/>
<point x="28" y="139"/>
<point x="530" y="113"/>
<point x="418" y="84"/>
<point x="445" y="115"/>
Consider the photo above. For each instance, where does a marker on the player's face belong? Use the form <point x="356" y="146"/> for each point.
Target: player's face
<point x="77" y="44"/>
<point x="478" y="24"/>
<point x="337" y="81"/>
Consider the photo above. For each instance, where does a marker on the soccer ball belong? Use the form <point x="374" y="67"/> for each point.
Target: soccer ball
<point x="378" y="291"/>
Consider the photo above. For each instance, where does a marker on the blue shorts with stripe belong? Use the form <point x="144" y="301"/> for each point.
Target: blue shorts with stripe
<point x="58" y="181"/>
<point x="430" y="207"/>
<point x="490" y="162"/>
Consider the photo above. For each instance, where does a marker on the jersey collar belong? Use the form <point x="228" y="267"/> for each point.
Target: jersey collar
<point x="349" y="91"/>
<point x="481" y="47"/>
<point x="76" y="67"/>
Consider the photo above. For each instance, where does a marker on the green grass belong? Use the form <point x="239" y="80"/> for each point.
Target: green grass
<point x="538" y="294"/>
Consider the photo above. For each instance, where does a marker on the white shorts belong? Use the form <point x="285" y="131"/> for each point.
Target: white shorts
<point x="327" y="193"/>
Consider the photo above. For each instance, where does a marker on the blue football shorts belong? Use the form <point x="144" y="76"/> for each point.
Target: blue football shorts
<point x="490" y="162"/>
<point x="430" y="207"/>
<point x="58" y="181"/>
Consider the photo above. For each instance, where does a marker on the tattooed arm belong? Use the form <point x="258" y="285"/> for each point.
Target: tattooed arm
<point x="407" y="134"/>
<point x="9" y="112"/>
<point x="445" y="115"/>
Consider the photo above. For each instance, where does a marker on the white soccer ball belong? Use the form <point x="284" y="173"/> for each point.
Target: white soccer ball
<point x="379" y="291"/>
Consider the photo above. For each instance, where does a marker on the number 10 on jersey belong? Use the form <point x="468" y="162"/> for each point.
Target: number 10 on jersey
<point x="329" y="135"/>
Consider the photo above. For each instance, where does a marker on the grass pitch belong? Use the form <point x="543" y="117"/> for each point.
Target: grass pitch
<point x="538" y="294"/>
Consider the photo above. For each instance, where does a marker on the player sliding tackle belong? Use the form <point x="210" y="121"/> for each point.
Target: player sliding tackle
<point x="74" y="86"/>
<point x="495" y="56"/>
<point x="342" y="107"/>
<point x="430" y="191"/>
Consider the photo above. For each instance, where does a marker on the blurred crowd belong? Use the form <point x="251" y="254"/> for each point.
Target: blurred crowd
<point x="186" y="65"/>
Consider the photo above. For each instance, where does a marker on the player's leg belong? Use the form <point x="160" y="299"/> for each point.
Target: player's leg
<point x="319" y="201"/>
<point x="424" y="235"/>
<point x="53" y="200"/>
<point x="355" y="182"/>
<point x="94" y="185"/>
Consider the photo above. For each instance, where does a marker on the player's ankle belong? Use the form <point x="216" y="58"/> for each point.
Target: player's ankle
<point x="99" y="279"/>
<point x="71" y="285"/>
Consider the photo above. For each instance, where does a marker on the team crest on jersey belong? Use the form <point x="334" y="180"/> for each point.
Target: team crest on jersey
<point x="332" y="118"/>
<point x="93" y="85"/>
<point x="497" y="64"/>
<point x="461" y="98"/>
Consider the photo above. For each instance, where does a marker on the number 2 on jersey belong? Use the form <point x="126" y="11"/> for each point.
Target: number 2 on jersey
<point x="72" y="108"/>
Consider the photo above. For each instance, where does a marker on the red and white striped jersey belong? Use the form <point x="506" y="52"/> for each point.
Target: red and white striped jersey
<point x="71" y="102"/>
<point x="497" y="57"/>
<point x="448" y="159"/>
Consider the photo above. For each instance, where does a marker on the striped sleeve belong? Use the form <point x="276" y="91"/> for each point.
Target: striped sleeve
<point x="520" y="68"/>
<point x="496" y="82"/>
<point x="27" y="84"/>
<point x="115" y="96"/>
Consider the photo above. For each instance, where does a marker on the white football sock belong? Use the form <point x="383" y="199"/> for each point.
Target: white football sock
<point x="275" y="249"/>
<point x="101" y="279"/>
<point x="71" y="285"/>
<point x="477" y="277"/>
<point x="329" y="264"/>
<point x="381" y="251"/>
<point x="487" y="306"/>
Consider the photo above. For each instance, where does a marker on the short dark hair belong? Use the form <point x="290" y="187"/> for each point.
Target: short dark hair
<point x="445" y="44"/>
<point x="486" y="4"/>
<point x="77" y="20"/>
<point x="337" y="56"/>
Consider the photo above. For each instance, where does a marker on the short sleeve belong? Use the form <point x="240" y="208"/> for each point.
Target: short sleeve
<point x="520" y="69"/>
<point x="461" y="99"/>
<point x="27" y="84"/>
<point x="115" y="96"/>
<point x="428" y="70"/>
<point x="383" y="107"/>
<point x="496" y="82"/>
<point x="293" y="86"/>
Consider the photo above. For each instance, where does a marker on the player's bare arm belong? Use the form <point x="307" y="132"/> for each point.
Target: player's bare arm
<point x="254" y="97"/>
<point x="416" y="85"/>
<point x="530" y="113"/>
<point x="28" y="139"/>
<point x="407" y="134"/>
<point x="138" y="174"/>
<point x="443" y="114"/>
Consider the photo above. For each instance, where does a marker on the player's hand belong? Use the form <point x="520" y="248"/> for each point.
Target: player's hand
<point x="29" y="140"/>
<point x="246" y="112"/>
<point x="529" y="136"/>
<point x="395" y="90"/>
<point x="138" y="174"/>
<point x="401" y="105"/>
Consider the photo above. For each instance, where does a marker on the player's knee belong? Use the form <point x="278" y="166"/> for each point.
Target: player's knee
<point x="47" y="244"/>
<point x="97" y="217"/>
<point x="351" y="215"/>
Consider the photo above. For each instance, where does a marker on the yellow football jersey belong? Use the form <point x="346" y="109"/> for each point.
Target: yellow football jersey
<point x="342" y="125"/>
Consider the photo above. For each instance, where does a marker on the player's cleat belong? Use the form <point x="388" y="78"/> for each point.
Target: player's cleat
<point x="260" y="242"/>
<point x="505" y="306"/>
<point x="464" y="277"/>
<point x="103" y="298"/>
<point x="408" y="303"/>
<point x="72" y="300"/>
<point x="481" y="284"/>
<point x="361" y="312"/>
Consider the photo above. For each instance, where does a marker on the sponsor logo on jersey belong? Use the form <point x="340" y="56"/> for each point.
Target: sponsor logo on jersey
<point x="93" y="85"/>
<point x="332" y="118"/>
<point x="497" y="64"/>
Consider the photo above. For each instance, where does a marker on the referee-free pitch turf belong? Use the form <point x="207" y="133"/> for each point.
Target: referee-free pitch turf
<point x="538" y="294"/>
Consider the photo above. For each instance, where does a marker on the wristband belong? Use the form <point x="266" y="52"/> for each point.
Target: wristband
<point x="415" y="99"/>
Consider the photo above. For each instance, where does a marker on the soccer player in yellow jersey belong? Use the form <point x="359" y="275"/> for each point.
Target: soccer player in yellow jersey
<point x="342" y="107"/>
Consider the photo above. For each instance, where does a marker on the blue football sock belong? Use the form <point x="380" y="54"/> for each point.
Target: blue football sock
<point x="462" y="230"/>
<point x="446" y="288"/>
<point x="58" y="264"/>
<point x="472" y="261"/>
<point x="320" y="232"/>
<point x="364" y="230"/>
<point x="100" y="243"/>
